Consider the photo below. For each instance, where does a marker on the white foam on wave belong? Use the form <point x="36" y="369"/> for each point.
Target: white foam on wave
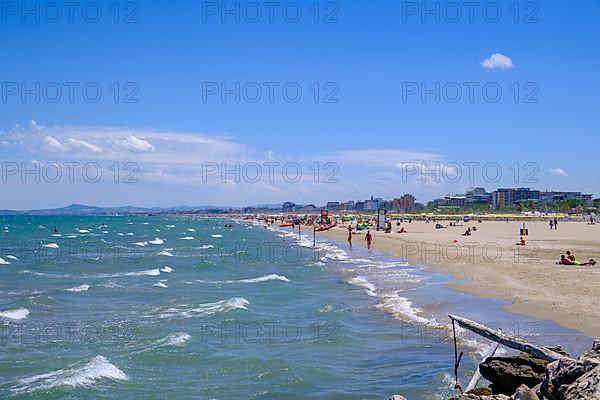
<point x="83" y="231"/>
<point x="206" y="246"/>
<point x="326" y="309"/>
<point x="403" y="309"/>
<point x="364" y="283"/>
<point x="176" y="339"/>
<point x="189" y="229"/>
<point x="271" y="277"/>
<point x="265" y="278"/>
<point x="141" y="244"/>
<point x="157" y="241"/>
<point x="72" y="237"/>
<point x="112" y="285"/>
<point x="170" y="226"/>
<point x="167" y="269"/>
<point x="47" y="275"/>
<point x="98" y="368"/>
<point x="394" y="265"/>
<point x="129" y="233"/>
<point x="51" y="246"/>
<point x="80" y="288"/>
<point x="11" y="257"/>
<point x="147" y="272"/>
<point x="165" y="253"/>
<point x="160" y="285"/>
<point x="56" y="235"/>
<point x="187" y="238"/>
<point x="15" y="315"/>
<point x="332" y="252"/>
<point x="217" y="236"/>
<point x="3" y="261"/>
<point x="206" y="309"/>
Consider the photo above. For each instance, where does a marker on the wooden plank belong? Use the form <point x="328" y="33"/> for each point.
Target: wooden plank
<point x="477" y="375"/>
<point x="506" y="340"/>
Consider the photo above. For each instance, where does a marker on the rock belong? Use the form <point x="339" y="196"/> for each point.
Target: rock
<point x="538" y="391"/>
<point x="508" y="373"/>
<point x="594" y="353"/>
<point x="558" y="349"/>
<point x="525" y="393"/>
<point x="481" y="391"/>
<point x="397" y="397"/>
<point x="561" y="374"/>
<point x="586" y="386"/>
<point x="596" y="346"/>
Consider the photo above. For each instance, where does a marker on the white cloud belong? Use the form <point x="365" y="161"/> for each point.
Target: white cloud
<point x="389" y="158"/>
<point x="127" y="145"/>
<point x="81" y="146"/>
<point x="52" y="144"/>
<point x="176" y="159"/>
<point x="497" y="61"/>
<point x="70" y="145"/>
<point x="135" y="144"/>
<point x="558" y="172"/>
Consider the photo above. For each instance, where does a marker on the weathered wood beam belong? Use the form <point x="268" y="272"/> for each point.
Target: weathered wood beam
<point x="477" y="375"/>
<point x="506" y="340"/>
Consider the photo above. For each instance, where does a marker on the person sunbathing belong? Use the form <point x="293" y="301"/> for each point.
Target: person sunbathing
<point x="565" y="261"/>
<point x="570" y="256"/>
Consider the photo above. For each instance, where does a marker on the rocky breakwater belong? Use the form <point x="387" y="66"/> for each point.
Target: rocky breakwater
<point x="537" y="373"/>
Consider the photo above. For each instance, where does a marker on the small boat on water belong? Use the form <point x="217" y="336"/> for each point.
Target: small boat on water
<point x="326" y="227"/>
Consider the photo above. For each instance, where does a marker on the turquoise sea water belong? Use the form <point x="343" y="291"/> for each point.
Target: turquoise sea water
<point x="155" y="307"/>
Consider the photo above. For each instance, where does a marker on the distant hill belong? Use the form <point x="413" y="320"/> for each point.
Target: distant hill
<point x="81" y="209"/>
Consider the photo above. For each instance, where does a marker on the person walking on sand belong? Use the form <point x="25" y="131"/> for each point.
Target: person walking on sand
<point x="350" y="236"/>
<point x="369" y="239"/>
<point x="555" y="224"/>
<point x="551" y="224"/>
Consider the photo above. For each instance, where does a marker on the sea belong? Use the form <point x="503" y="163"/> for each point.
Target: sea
<point x="149" y="307"/>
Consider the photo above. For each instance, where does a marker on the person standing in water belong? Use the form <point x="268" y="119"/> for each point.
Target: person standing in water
<point x="369" y="239"/>
<point x="350" y="236"/>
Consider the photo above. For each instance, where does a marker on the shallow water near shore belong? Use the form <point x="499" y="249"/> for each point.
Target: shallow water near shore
<point x="138" y="307"/>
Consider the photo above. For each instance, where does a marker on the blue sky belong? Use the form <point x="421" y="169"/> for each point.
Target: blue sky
<point x="363" y="58"/>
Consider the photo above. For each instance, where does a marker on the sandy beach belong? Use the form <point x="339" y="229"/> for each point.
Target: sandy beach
<point x="489" y="264"/>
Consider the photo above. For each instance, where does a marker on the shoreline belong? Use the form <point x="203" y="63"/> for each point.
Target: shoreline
<point x="489" y="265"/>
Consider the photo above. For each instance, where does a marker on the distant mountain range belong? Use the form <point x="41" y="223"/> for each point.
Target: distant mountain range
<point x="80" y="209"/>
